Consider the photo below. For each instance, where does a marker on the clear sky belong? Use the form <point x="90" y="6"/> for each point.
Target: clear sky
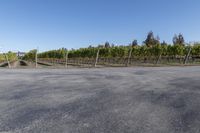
<point x="52" y="24"/>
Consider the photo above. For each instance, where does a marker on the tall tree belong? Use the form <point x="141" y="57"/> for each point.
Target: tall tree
<point x="134" y="43"/>
<point x="151" y="40"/>
<point x="107" y="45"/>
<point x="164" y="43"/>
<point x="178" y="40"/>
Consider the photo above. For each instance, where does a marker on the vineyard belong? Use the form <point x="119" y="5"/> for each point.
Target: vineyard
<point x="151" y="52"/>
<point x="119" y="56"/>
<point x="10" y="56"/>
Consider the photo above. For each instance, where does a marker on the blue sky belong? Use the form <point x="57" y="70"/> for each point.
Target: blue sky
<point x="52" y="24"/>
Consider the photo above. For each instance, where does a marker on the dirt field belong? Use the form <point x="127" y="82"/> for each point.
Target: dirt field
<point x="108" y="100"/>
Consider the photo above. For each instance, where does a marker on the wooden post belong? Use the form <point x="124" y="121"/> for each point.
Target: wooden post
<point x="187" y="56"/>
<point x="158" y="58"/>
<point x="97" y="57"/>
<point x="36" y="60"/>
<point x="66" y="60"/>
<point x="7" y="61"/>
<point x="129" y="57"/>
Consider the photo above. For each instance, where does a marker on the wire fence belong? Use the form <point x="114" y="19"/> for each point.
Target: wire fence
<point x="121" y="62"/>
<point x="98" y="61"/>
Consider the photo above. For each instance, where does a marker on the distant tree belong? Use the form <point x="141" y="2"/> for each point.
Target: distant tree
<point x="112" y="45"/>
<point x="134" y="43"/>
<point x="107" y="45"/>
<point x="157" y="40"/>
<point x="178" y="40"/>
<point x="100" y="46"/>
<point x="175" y="39"/>
<point x="90" y="46"/>
<point x="181" y="39"/>
<point x="164" y="43"/>
<point x="151" y="40"/>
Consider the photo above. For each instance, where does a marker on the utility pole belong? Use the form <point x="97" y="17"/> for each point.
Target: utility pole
<point x="97" y="57"/>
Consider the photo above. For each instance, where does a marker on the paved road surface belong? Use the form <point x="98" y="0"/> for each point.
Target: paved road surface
<point x="109" y="100"/>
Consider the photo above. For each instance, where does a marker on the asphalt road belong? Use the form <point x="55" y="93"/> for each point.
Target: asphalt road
<point x="109" y="100"/>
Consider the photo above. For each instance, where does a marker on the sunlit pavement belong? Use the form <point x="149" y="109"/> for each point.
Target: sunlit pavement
<point x="109" y="100"/>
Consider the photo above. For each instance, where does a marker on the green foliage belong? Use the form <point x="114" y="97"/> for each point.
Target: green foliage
<point x="151" y="40"/>
<point x="136" y="51"/>
<point x="11" y="56"/>
<point x="164" y="50"/>
<point x="2" y="57"/>
<point x="176" y="50"/>
<point x="196" y="50"/>
<point x="60" y="53"/>
<point x="83" y="52"/>
<point x="151" y="48"/>
<point x="156" y="50"/>
<point x="178" y="40"/>
<point x="134" y="43"/>
<point x="143" y="51"/>
<point x="30" y="55"/>
<point x="105" y="52"/>
<point x="118" y="51"/>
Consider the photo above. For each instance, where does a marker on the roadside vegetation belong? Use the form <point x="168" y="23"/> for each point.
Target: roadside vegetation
<point x="151" y="47"/>
<point x="10" y="55"/>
